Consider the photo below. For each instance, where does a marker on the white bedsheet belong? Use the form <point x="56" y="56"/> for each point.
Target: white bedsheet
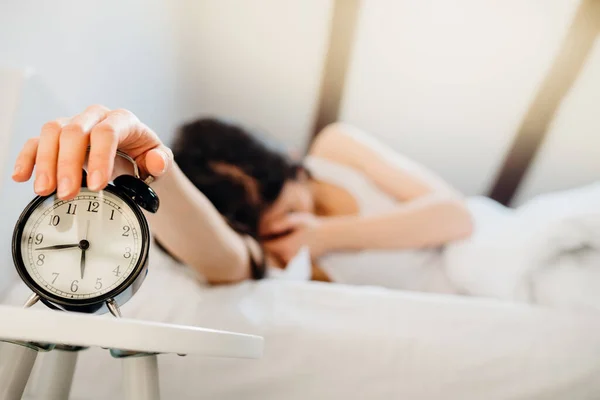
<point x="326" y="341"/>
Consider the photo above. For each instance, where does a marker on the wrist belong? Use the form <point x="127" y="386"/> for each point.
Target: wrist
<point x="331" y="235"/>
<point x="168" y="181"/>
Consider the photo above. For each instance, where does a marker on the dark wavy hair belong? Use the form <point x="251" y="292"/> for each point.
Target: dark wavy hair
<point x="239" y="171"/>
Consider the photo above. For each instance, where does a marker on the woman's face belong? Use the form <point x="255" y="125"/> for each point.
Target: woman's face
<point x="295" y="197"/>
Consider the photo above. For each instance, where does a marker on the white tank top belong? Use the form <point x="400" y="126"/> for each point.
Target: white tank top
<point x="418" y="270"/>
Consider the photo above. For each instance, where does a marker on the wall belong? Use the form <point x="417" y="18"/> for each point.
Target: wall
<point x="257" y="61"/>
<point x="118" y="53"/>
<point x="122" y="54"/>
<point x="11" y="83"/>
<point x="448" y="82"/>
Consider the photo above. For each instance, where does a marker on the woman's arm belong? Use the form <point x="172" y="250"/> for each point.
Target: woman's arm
<point x="190" y="228"/>
<point x="431" y="212"/>
<point x="426" y="222"/>
<point x="186" y="223"/>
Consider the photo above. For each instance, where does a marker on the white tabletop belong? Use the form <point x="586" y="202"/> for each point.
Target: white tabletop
<point x="125" y="334"/>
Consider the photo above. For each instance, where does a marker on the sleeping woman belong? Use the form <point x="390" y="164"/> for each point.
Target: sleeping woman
<point x="233" y="205"/>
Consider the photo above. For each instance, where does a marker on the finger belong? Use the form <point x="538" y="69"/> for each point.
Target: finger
<point x="272" y="244"/>
<point x="73" y="143"/>
<point x="157" y="161"/>
<point x="276" y="232"/>
<point x="289" y="222"/>
<point x="275" y="235"/>
<point x="47" y="156"/>
<point x="104" y="141"/>
<point x="299" y="218"/>
<point x="278" y="227"/>
<point x="25" y="161"/>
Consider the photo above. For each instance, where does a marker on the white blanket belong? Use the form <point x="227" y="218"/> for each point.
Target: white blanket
<point x="329" y="341"/>
<point x="546" y="251"/>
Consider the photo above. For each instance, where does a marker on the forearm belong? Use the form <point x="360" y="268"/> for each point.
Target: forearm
<point x="190" y="227"/>
<point x="426" y="222"/>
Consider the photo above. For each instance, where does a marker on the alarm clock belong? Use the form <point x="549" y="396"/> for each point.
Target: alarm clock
<point x="88" y="254"/>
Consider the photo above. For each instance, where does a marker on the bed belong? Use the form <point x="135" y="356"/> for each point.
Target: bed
<point x="339" y="342"/>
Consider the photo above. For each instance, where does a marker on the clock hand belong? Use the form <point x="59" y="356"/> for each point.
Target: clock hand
<point x="82" y="264"/>
<point x="84" y="246"/>
<point x="59" y="247"/>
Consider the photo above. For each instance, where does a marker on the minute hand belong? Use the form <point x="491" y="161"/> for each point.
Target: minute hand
<point x="59" y="247"/>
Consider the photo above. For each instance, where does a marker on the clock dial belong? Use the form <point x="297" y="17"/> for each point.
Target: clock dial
<point x="81" y="248"/>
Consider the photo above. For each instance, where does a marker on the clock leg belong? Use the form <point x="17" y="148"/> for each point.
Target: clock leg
<point x="15" y="368"/>
<point x="34" y="298"/>
<point x="113" y="307"/>
<point x="140" y="377"/>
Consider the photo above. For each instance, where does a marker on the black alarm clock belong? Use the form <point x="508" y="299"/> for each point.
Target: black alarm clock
<point x="88" y="254"/>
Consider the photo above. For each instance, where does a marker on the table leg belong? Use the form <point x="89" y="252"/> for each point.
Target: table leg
<point x="57" y="374"/>
<point x="15" y="367"/>
<point x="140" y="377"/>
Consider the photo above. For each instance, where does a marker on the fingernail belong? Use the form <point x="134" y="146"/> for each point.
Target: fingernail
<point x="64" y="186"/>
<point x="165" y="162"/>
<point x="17" y="170"/>
<point x="41" y="182"/>
<point x="95" y="180"/>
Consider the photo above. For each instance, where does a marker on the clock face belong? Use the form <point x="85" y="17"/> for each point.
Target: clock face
<point x="82" y="249"/>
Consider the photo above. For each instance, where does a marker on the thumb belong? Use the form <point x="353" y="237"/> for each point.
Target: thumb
<point x="278" y="228"/>
<point x="287" y="223"/>
<point x="298" y="219"/>
<point x="157" y="161"/>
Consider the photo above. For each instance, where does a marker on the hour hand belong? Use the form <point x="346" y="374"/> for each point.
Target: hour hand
<point x="82" y="264"/>
<point x="59" y="247"/>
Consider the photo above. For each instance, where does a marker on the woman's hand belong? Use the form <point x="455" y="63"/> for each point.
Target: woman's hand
<point x="58" y="154"/>
<point x="293" y="232"/>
